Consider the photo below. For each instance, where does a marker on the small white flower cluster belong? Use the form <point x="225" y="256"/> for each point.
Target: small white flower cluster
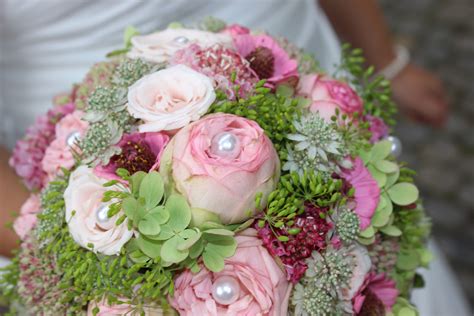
<point x="318" y="146"/>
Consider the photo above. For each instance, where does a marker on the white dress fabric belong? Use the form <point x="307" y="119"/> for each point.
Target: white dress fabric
<point x="47" y="45"/>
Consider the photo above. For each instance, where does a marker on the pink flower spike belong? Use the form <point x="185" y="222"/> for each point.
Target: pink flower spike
<point x="367" y="192"/>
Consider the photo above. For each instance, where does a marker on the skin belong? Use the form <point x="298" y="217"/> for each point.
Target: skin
<point x="419" y="93"/>
<point x="12" y="195"/>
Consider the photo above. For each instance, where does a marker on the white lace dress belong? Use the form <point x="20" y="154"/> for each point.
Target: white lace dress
<point x="46" y="45"/>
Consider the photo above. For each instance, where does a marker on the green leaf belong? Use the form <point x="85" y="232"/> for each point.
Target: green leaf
<point x="426" y="256"/>
<point x="365" y="156"/>
<point x="149" y="247"/>
<point x="130" y="206"/>
<point x="225" y="251"/>
<point x="366" y="241"/>
<point x="380" y="150"/>
<point x="191" y="236"/>
<point x="201" y="216"/>
<point x="165" y="234"/>
<point x="380" y="177"/>
<point x="240" y="227"/>
<point x="403" y="193"/>
<point x="223" y="232"/>
<point x="150" y="223"/>
<point x="391" y="230"/>
<point x="136" y="180"/>
<point x="381" y="217"/>
<point x="196" y="250"/>
<point x="152" y="189"/>
<point x="130" y="32"/>
<point x="180" y="212"/>
<point x="406" y="311"/>
<point x="138" y="256"/>
<point x="408" y="261"/>
<point x="285" y="91"/>
<point x="170" y="251"/>
<point x="392" y="178"/>
<point x="386" y="166"/>
<point x="212" y="260"/>
<point x="367" y="233"/>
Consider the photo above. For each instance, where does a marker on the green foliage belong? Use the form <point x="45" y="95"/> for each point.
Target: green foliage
<point x="292" y="192"/>
<point x="212" y="24"/>
<point x="275" y="113"/>
<point x="395" y="191"/>
<point x="163" y="221"/>
<point x="374" y="91"/>
<point x="130" y="31"/>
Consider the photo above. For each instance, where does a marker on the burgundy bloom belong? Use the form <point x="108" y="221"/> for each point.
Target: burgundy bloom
<point x="312" y="237"/>
<point x="140" y="152"/>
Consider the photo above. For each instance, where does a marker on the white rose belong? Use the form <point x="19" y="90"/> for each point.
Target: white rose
<point x="160" y="46"/>
<point x="89" y="224"/>
<point x="170" y="98"/>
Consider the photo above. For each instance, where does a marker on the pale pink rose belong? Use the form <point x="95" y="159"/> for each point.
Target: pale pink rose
<point x="121" y="309"/>
<point x="160" y="46"/>
<point x="327" y="95"/>
<point x="83" y="201"/>
<point x="170" y="98"/>
<point x="222" y="182"/>
<point x="27" y="220"/>
<point x="59" y="153"/>
<point x="362" y="266"/>
<point x="263" y="288"/>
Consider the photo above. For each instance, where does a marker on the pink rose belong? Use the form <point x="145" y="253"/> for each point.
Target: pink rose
<point x="121" y="309"/>
<point x="160" y="46"/>
<point x="170" y="98"/>
<point x="260" y="284"/>
<point x="327" y="95"/>
<point x="220" y="163"/>
<point x="86" y="214"/>
<point x="59" y="153"/>
<point x="27" y="219"/>
<point x="377" y="127"/>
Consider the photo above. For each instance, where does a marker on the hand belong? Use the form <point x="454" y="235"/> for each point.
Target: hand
<point x="420" y="95"/>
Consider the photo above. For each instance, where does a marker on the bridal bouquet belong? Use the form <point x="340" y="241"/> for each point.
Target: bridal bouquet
<point x="217" y="170"/>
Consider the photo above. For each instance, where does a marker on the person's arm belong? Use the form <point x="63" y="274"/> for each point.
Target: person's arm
<point x="12" y="195"/>
<point x="361" y="23"/>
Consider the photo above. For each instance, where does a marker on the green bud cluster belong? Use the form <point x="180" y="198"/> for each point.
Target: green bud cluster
<point x="129" y="71"/>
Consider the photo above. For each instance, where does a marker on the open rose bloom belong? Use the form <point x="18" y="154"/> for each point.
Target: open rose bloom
<point x="216" y="170"/>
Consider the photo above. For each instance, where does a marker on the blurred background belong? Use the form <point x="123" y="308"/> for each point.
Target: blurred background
<point x="440" y="35"/>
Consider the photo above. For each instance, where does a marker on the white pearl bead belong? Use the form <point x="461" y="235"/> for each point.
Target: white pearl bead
<point x="181" y="40"/>
<point x="101" y="213"/>
<point x="225" y="290"/>
<point x="73" y="138"/>
<point x="225" y="145"/>
<point x="396" y="146"/>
